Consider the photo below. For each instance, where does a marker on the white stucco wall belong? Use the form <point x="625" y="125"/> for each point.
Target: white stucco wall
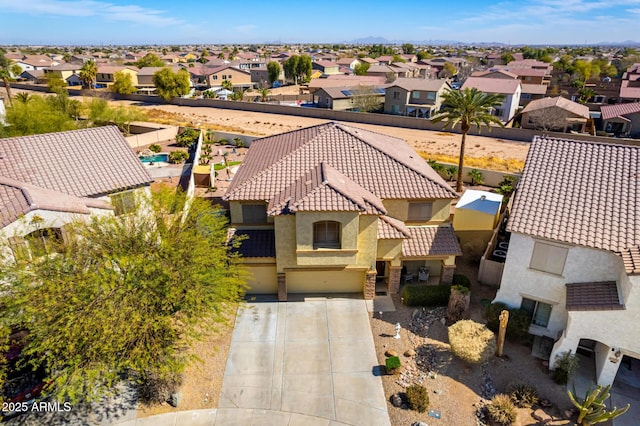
<point x="582" y="265"/>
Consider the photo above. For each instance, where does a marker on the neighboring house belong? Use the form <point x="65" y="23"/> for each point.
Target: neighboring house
<point x="106" y="74"/>
<point x="388" y="72"/>
<point x="207" y="77"/>
<point x="48" y="180"/>
<point x="348" y="62"/>
<point x="67" y="72"/>
<point x="415" y="97"/>
<point x="573" y="258"/>
<point x="621" y="119"/>
<point x="510" y="89"/>
<point x="34" y="76"/>
<point x="555" y="114"/>
<point x="145" y="75"/>
<point x="346" y="98"/>
<point x="326" y="67"/>
<point x="344" y="81"/>
<point x="530" y="90"/>
<point x="630" y="86"/>
<point x="328" y="208"/>
<point x="35" y="62"/>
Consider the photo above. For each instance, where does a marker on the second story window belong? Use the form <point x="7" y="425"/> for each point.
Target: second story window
<point x="421" y="211"/>
<point x="326" y="234"/>
<point x="548" y="258"/>
<point x="254" y="213"/>
<point x="415" y="94"/>
<point x="396" y="95"/>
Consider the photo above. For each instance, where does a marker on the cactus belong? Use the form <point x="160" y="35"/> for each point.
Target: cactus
<point x="592" y="408"/>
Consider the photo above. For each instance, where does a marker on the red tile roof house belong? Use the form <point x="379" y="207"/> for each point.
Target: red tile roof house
<point x="48" y="180"/>
<point x="510" y="89"/>
<point x="329" y="208"/>
<point x="621" y="119"/>
<point x="555" y="114"/>
<point x="573" y="259"/>
<point x="630" y="86"/>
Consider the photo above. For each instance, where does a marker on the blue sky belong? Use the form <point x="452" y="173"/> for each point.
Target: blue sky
<point x="251" y="21"/>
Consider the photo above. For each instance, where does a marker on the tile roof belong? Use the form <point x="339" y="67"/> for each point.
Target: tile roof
<point x="18" y="198"/>
<point x="618" y="110"/>
<point x="390" y="228"/>
<point x="534" y="89"/>
<point x="596" y="296"/>
<point x="88" y="162"/>
<point x="339" y="80"/>
<point x="383" y="165"/>
<point x="323" y="188"/>
<point x="419" y="84"/>
<point x="492" y="85"/>
<point x="631" y="259"/>
<point x="255" y="242"/>
<point x="494" y="73"/>
<point x="628" y="90"/>
<point x="112" y="69"/>
<point x="431" y="241"/>
<point x="580" y="192"/>
<point x="560" y="102"/>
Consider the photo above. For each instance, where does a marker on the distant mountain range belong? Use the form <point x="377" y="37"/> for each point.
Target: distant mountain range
<point x="382" y="40"/>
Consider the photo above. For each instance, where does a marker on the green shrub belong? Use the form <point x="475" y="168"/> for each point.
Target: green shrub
<point x="155" y="148"/>
<point x="566" y="364"/>
<point x="426" y="295"/>
<point x="493" y="315"/>
<point x="471" y="341"/>
<point x="187" y="137"/>
<point x="502" y="410"/>
<point x="178" y="157"/>
<point x="523" y="395"/>
<point x="392" y="363"/>
<point x="461" y="289"/>
<point x="418" y="398"/>
<point x="519" y="320"/>
<point x="461" y="280"/>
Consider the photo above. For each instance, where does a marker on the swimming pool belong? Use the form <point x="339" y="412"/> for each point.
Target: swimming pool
<point x="157" y="158"/>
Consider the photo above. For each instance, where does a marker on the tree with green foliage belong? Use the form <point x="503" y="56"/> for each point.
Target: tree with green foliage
<point x="468" y="107"/>
<point x="448" y="70"/>
<point x="88" y="74"/>
<point x="298" y="68"/>
<point x="273" y="69"/>
<point x="408" y="49"/>
<point x="507" y="57"/>
<point x="8" y="72"/>
<point x="150" y="60"/>
<point x="227" y="85"/>
<point x="592" y="408"/>
<point x="290" y="67"/>
<point x="361" y="68"/>
<point x="123" y="83"/>
<point x="55" y="83"/>
<point x="124" y="295"/>
<point x="365" y="99"/>
<point x="264" y="94"/>
<point x="170" y="84"/>
<point x="41" y="115"/>
<point x="397" y="58"/>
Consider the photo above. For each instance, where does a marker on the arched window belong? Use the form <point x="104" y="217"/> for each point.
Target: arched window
<point x="326" y="234"/>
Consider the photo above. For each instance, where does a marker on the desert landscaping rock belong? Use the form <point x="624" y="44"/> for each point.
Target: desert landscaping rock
<point x="409" y="353"/>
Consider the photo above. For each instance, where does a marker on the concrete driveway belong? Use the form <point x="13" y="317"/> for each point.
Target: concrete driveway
<point x="303" y="362"/>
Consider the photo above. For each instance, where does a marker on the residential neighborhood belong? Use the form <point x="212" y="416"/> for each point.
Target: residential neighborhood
<point x="364" y="232"/>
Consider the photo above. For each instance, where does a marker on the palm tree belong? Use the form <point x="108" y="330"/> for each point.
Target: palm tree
<point x="264" y="94"/>
<point x="8" y="70"/>
<point x="467" y="107"/>
<point x="24" y="97"/>
<point x="227" y="84"/>
<point x="88" y="74"/>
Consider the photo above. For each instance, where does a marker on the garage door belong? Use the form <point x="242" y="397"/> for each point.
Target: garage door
<point x="325" y="282"/>
<point x="262" y="279"/>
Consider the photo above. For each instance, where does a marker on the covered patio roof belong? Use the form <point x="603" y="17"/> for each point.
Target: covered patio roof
<point x="426" y="241"/>
<point x="594" y="296"/>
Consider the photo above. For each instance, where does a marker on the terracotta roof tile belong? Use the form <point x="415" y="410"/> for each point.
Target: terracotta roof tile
<point x="492" y="85"/>
<point x="596" y="296"/>
<point x="612" y="111"/>
<point x="431" y="241"/>
<point x="255" y="243"/>
<point x="88" y="162"/>
<point x="383" y="165"/>
<point x="419" y="84"/>
<point x="390" y="228"/>
<point x="631" y="259"/>
<point x="580" y="192"/>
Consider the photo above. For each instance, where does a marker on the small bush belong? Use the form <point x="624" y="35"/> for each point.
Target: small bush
<point x="418" y="398"/>
<point x="178" y="157"/>
<point x="392" y="363"/>
<point x="493" y="315"/>
<point x="461" y="280"/>
<point x="426" y="295"/>
<point x="156" y="389"/>
<point x="566" y="364"/>
<point x="471" y="341"/>
<point x="187" y="137"/>
<point x="523" y="395"/>
<point x="502" y="410"/>
<point x="518" y="325"/>
<point x="155" y="148"/>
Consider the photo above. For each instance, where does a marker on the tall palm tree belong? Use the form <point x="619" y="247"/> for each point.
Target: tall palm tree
<point x="8" y="71"/>
<point x="227" y="84"/>
<point x="88" y="74"/>
<point x="467" y="107"/>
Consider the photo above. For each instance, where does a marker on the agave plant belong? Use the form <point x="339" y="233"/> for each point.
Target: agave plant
<point x="592" y="408"/>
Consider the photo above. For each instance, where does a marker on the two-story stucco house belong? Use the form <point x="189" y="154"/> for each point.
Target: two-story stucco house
<point x="332" y="207"/>
<point x="573" y="259"/>
<point x="415" y="97"/>
<point x="510" y="89"/>
<point x="48" y="180"/>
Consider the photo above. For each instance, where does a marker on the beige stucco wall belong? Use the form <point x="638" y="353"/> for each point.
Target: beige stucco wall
<point x="474" y="220"/>
<point x="367" y="240"/>
<point x="399" y="209"/>
<point x="285" y="229"/>
<point x="582" y="265"/>
<point x="390" y="250"/>
<point x="304" y="228"/>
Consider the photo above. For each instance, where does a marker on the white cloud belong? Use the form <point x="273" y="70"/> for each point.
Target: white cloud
<point x="87" y="8"/>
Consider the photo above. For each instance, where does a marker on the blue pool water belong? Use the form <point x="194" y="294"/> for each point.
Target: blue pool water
<point x="155" y="158"/>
